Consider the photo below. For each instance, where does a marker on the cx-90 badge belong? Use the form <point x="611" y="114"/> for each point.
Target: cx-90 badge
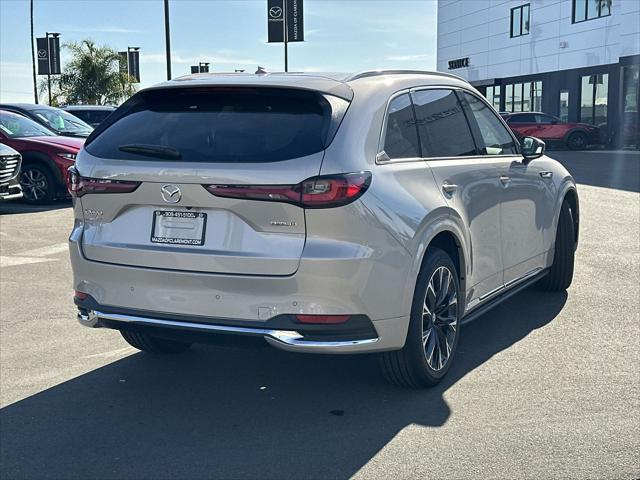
<point x="171" y="193"/>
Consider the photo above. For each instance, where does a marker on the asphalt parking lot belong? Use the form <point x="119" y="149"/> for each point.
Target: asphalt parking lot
<point x="545" y="386"/>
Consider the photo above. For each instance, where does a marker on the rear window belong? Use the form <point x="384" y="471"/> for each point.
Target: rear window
<point x="221" y="124"/>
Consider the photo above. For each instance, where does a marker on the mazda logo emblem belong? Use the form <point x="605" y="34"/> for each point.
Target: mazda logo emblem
<point x="275" y="12"/>
<point x="42" y="53"/>
<point x="171" y="193"/>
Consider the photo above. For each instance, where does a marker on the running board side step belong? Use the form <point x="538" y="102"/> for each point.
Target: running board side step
<point x="498" y="299"/>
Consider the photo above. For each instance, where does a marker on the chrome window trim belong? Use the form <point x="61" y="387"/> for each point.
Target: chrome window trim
<point x="411" y="90"/>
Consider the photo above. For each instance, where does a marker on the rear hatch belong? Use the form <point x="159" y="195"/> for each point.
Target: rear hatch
<point x="146" y="178"/>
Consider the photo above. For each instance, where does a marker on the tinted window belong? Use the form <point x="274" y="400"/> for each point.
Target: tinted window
<point x="61" y="121"/>
<point x="524" y="118"/>
<point x="546" y="119"/>
<point x="222" y="124"/>
<point x="401" y="136"/>
<point x="495" y="137"/>
<point x="17" y="126"/>
<point x="443" y="128"/>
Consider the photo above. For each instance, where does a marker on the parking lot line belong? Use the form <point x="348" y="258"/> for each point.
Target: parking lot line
<point x="15" y="260"/>
<point x="35" y="255"/>
<point x="46" y="251"/>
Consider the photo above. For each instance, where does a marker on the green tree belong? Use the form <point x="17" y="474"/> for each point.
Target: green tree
<point x="91" y="77"/>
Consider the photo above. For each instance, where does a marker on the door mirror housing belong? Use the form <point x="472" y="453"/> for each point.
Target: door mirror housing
<point x="532" y="148"/>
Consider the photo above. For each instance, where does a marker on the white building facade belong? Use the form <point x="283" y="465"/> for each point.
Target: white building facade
<point x="576" y="59"/>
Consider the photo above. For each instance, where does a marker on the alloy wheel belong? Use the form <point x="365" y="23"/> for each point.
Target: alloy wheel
<point x="439" y="318"/>
<point x="35" y="184"/>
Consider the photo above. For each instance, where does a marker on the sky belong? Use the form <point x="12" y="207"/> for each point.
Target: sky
<point x="340" y="35"/>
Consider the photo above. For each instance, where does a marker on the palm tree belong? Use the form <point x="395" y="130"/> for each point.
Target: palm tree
<point x="91" y="77"/>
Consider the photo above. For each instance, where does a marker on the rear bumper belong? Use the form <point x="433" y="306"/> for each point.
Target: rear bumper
<point x="179" y="301"/>
<point x="291" y="340"/>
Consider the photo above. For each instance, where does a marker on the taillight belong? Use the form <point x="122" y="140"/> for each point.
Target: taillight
<point x="78" y="185"/>
<point x="317" y="192"/>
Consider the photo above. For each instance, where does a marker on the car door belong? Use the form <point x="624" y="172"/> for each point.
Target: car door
<point x="550" y="126"/>
<point x="469" y="183"/>
<point x="524" y="124"/>
<point x="527" y="203"/>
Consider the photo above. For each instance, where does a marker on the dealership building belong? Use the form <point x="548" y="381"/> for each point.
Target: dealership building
<point x="576" y="59"/>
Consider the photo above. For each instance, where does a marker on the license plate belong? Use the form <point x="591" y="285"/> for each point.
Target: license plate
<point x="176" y="227"/>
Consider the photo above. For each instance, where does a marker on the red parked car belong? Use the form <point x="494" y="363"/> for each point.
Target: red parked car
<point x="45" y="156"/>
<point x="551" y="129"/>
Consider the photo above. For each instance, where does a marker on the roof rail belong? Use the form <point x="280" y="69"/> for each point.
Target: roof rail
<point x="375" y="73"/>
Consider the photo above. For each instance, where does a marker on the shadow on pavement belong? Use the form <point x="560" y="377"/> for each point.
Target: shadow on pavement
<point x="12" y="207"/>
<point x="205" y="413"/>
<point x="601" y="168"/>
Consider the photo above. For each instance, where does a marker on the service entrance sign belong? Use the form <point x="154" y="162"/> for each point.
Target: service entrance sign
<point x="48" y="55"/>
<point x="276" y="11"/>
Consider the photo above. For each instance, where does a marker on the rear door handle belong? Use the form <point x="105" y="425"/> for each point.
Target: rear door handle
<point x="546" y="174"/>
<point x="504" y="179"/>
<point x="449" y="188"/>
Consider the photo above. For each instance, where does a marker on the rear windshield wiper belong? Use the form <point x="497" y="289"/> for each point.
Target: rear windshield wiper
<point x="152" y="151"/>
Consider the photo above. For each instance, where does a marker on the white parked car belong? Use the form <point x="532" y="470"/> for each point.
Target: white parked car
<point x="373" y="212"/>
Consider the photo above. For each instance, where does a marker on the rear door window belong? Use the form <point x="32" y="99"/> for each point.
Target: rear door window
<point x="522" y="118"/>
<point x="401" y="136"/>
<point x="442" y="124"/>
<point x="233" y="125"/>
<point x="493" y="137"/>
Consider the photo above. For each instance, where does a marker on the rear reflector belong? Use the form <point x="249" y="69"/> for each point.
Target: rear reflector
<point x="317" y="192"/>
<point x="323" y="319"/>
<point x="80" y="295"/>
<point x="79" y="185"/>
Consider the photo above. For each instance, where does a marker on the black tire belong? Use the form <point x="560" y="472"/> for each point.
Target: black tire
<point x="577" y="141"/>
<point x="38" y="184"/>
<point x="409" y="366"/>
<point x="561" y="272"/>
<point x="149" y="344"/>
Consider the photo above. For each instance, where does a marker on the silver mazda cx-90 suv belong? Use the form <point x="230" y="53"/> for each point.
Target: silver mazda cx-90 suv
<point x="326" y="213"/>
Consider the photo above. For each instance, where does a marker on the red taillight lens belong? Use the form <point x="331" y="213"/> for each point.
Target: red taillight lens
<point x="317" y="192"/>
<point x="79" y="185"/>
<point x="323" y="319"/>
<point x="80" y="295"/>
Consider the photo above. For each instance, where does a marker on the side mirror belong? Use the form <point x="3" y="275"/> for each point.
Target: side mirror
<point x="532" y="148"/>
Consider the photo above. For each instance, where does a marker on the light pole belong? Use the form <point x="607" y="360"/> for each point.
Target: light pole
<point x="167" y="38"/>
<point x="50" y="35"/>
<point x="33" y="57"/>
<point x="286" y="35"/>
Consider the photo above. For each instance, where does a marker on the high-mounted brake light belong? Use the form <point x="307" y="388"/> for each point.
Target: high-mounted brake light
<point x="78" y="185"/>
<point x="317" y="192"/>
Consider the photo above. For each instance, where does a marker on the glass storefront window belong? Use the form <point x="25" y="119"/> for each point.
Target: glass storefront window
<point x="631" y="106"/>
<point x="493" y="96"/>
<point x="523" y="97"/>
<point x="594" y="99"/>
<point x="517" y="97"/>
<point x="564" y="105"/>
<point x="496" y="97"/>
<point x="526" y="97"/>
<point x="537" y="96"/>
